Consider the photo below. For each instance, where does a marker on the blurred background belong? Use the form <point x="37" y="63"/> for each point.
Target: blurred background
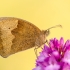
<point x="43" y="14"/>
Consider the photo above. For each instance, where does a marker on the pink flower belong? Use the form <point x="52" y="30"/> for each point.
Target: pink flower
<point x="56" y="56"/>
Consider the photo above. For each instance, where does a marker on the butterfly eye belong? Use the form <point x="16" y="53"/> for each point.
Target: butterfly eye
<point x="47" y="32"/>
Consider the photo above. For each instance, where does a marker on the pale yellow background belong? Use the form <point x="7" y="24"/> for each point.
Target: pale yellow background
<point x="42" y="13"/>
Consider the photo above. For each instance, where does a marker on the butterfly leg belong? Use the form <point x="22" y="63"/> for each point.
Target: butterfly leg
<point x="35" y="50"/>
<point x="46" y="42"/>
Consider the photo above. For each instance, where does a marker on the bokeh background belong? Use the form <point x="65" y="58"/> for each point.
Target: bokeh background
<point x="43" y="14"/>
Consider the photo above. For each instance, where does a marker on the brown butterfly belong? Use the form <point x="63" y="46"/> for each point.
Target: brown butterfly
<point x="18" y="35"/>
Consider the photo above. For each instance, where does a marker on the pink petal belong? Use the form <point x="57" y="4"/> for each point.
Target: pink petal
<point x="66" y="58"/>
<point x="52" y="67"/>
<point x="61" y="41"/>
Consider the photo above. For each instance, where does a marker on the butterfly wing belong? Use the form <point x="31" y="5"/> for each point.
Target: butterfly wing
<point x="24" y="35"/>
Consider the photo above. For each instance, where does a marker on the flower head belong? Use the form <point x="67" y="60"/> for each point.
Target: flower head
<point x="56" y="56"/>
